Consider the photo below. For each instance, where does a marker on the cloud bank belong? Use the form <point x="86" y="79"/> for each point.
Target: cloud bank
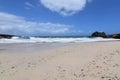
<point x="12" y="24"/>
<point x="65" y="7"/>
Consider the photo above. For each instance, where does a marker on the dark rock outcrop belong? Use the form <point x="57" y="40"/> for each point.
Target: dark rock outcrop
<point x="6" y="36"/>
<point x="104" y="35"/>
<point x="99" y="34"/>
<point x="116" y="36"/>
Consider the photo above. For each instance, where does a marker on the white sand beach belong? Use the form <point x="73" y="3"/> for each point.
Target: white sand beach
<point x="85" y="61"/>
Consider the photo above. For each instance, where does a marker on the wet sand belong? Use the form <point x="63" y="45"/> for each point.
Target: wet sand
<point x="85" y="61"/>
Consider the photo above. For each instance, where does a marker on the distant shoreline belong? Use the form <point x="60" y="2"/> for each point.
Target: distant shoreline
<point x="93" y="35"/>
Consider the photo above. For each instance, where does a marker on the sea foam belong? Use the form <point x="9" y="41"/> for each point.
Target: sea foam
<point x="54" y="39"/>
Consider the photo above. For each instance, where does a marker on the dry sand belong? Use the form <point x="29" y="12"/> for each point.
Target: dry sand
<point x="86" y="61"/>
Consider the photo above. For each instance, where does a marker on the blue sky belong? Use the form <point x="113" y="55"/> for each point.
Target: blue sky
<point x="59" y="17"/>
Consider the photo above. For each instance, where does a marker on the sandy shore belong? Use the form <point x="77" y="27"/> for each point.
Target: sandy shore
<point x="86" y="61"/>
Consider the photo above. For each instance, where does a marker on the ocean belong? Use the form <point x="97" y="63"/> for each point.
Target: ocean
<point x="55" y="39"/>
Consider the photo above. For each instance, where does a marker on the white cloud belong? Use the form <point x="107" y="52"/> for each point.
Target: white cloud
<point x="29" y="5"/>
<point x="12" y="24"/>
<point x="65" y="7"/>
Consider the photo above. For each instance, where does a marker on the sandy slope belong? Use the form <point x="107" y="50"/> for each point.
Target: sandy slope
<point x="86" y="61"/>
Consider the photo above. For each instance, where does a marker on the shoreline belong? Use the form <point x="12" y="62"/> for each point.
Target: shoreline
<point x="84" y="61"/>
<point x="44" y="46"/>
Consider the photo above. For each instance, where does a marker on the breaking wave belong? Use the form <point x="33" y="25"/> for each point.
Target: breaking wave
<point x="53" y="39"/>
